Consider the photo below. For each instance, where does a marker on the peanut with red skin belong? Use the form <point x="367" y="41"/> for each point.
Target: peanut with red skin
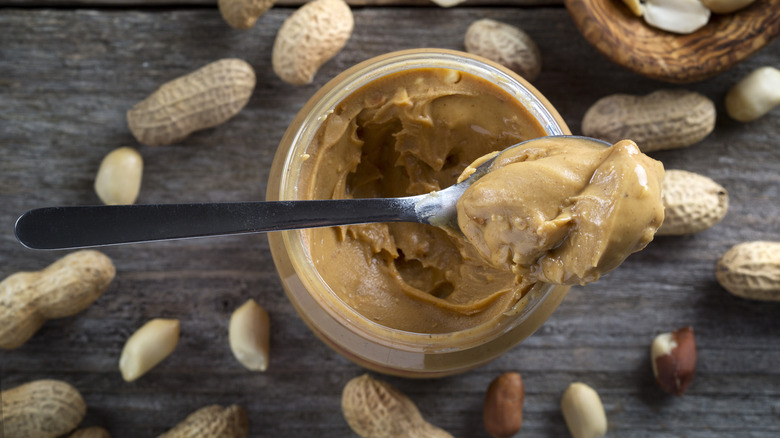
<point x="674" y="360"/>
<point x="503" y="410"/>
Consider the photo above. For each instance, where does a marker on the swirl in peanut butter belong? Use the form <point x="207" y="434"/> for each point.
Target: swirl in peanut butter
<point x="408" y="134"/>
<point x="415" y="132"/>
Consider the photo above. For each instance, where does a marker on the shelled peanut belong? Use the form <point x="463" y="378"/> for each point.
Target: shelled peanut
<point x="147" y="347"/>
<point x="583" y="412"/>
<point x="118" y="180"/>
<point x="673" y="359"/>
<point x="677" y="16"/>
<point x="682" y="16"/>
<point x="502" y="413"/>
<point x="64" y="288"/>
<point x="754" y="95"/>
<point x="249" y="336"/>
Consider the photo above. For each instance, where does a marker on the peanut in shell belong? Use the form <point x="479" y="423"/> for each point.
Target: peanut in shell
<point x="692" y="203"/>
<point x="312" y="35"/>
<point x="375" y="409"/>
<point x="202" y="99"/>
<point x="751" y="270"/>
<point x="64" y="288"/>
<point x="212" y="421"/>
<point x="243" y="14"/>
<point x="664" y="119"/>
<point x="41" y="409"/>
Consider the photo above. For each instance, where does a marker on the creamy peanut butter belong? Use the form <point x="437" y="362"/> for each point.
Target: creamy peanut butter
<point x="407" y="134"/>
<point x="563" y="210"/>
<point x="412" y="133"/>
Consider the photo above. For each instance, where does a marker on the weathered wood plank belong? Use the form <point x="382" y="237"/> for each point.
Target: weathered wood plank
<point x="279" y="3"/>
<point x="66" y="80"/>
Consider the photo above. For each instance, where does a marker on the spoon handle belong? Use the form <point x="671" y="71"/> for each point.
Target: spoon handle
<point x="78" y="227"/>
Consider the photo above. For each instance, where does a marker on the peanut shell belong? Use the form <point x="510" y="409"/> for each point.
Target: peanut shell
<point x="64" y="288"/>
<point x="751" y="270"/>
<point x="243" y="14"/>
<point x="308" y="38"/>
<point x="41" y="409"/>
<point x="506" y="45"/>
<point x="664" y="119"/>
<point x="692" y="203"/>
<point x="374" y="409"/>
<point x="212" y="421"/>
<point x="202" y="99"/>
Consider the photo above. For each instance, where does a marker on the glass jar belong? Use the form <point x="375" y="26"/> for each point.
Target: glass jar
<point x="369" y="344"/>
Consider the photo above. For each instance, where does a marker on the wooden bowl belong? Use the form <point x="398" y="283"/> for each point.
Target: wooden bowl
<point x="627" y="40"/>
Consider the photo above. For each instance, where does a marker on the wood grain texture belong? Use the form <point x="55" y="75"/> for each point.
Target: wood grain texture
<point x="67" y="77"/>
<point x="279" y="3"/>
<point x="629" y="41"/>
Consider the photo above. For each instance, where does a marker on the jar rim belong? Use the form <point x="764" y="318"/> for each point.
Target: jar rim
<point x="308" y="122"/>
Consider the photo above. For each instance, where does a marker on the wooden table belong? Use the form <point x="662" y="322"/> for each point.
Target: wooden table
<point x="70" y="70"/>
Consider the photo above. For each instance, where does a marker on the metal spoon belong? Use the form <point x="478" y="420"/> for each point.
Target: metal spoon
<point x="86" y="226"/>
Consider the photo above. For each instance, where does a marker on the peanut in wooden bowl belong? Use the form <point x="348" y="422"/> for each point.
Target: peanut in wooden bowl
<point x="628" y="41"/>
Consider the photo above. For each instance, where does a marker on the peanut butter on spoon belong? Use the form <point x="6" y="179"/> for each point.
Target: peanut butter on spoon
<point x="563" y="210"/>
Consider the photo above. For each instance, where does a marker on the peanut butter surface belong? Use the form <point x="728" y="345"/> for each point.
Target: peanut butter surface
<point x="415" y="132"/>
<point x="409" y="134"/>
<point x="564" y="210"/>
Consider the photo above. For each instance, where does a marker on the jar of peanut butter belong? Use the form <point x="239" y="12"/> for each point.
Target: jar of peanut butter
<point x="406" y="299"/>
